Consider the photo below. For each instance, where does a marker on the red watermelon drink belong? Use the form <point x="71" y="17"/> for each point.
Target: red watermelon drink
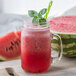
<point x="35" y="43"/>
<point x="36" y="49"/>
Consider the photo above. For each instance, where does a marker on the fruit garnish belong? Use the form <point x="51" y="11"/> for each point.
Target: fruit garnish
<point x="41" y="16"/>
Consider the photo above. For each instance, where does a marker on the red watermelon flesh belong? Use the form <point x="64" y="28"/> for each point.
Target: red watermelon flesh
<point x="64" y="24"/>
<point x="10" y="46"/>
<point x="19" y="33"/>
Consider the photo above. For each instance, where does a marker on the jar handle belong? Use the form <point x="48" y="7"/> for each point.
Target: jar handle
<point x="58" y="58"/>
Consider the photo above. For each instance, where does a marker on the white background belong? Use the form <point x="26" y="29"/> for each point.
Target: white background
<point x="22" y="6"/>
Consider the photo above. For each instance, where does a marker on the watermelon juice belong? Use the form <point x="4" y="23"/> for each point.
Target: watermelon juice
<point x="35" y="49"/>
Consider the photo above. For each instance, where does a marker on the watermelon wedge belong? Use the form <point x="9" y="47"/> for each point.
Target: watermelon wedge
<point x="64" y="26"/>
<point x="10" y="46"/>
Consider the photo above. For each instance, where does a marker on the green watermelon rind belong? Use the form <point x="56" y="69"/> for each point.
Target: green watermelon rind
<point x="5" y="59"/>
<point x="67" y="39"/>
<point x="63" y="33"/>
<point x="66" y="53"/>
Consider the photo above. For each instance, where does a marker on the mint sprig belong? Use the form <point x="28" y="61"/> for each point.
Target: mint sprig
<point x="38" y="17"/>
<point x="41" y="16"/>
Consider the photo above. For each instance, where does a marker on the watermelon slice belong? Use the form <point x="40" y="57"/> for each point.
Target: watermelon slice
<point x="10" y="46"/>
<point x="65" y="26"/>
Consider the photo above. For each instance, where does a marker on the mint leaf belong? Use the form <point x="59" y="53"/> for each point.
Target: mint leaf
<point x="32" y="13"/>
<point x="48" y="10"/>
<point x="42" y="21"/>
<point x="39" y="15"/>
<point x="35" y="19"/>
<point x="43" y="11"/>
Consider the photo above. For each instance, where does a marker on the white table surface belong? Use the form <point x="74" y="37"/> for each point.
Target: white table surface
<point x="66" y="67"/>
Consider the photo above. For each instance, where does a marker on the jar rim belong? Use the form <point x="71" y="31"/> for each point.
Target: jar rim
<point x="36" y="25"/>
